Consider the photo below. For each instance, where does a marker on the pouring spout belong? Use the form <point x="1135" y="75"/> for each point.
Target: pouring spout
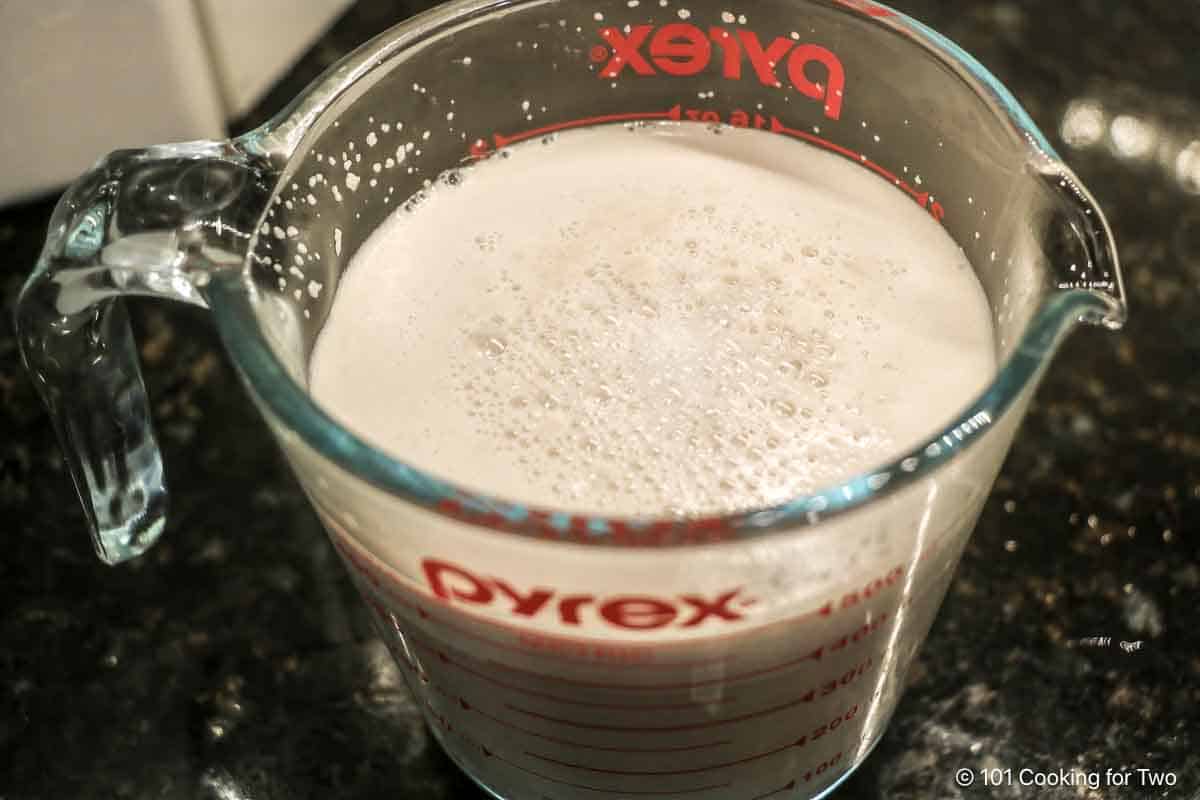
<point x="1083" y="256"/>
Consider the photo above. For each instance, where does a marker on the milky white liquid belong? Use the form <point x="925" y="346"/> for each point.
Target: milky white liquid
<point x="656" y="321"/>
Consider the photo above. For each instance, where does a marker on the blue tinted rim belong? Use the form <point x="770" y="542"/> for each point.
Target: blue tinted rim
<point x="291" y="405"/>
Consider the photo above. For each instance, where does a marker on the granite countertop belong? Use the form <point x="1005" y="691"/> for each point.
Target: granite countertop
<point x="235" y="661"/>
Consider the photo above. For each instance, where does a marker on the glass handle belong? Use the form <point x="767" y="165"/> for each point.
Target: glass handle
<point x="157" y="222"/>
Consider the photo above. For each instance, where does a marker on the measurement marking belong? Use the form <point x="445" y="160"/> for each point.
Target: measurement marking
<point x="480" y="149"/>
<point x="620" y="792"/>
<point x="800" y="743"/>
<point x="824" y="611"/>
<point x="503" y="141"/>
<point x="814" y="655"/>
<point x="441" y="656"/>
<point x="602" y="748"/>
<point x="643" y="665"/>
<point x="790" y="786"/>
<point x="397" y="584"/>
<point x="664" y="772"/>
<point x="532" y="649"/>
<point x="807" y="697"/>
<point x="488" y="753"/>
<point x="601" y="645"/>
<point x="467" y="706"/>
<point x="529" y="650"/>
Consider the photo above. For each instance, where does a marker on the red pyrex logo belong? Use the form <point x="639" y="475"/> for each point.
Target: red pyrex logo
<point x="684" y="49"/>
<point x="454" y="584"/>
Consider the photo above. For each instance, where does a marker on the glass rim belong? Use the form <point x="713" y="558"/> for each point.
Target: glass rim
<point x="292" y="405"/>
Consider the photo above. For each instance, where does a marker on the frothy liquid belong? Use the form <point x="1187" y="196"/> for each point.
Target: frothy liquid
<point x="663" y="320"/>
<point x="654" y="321"/>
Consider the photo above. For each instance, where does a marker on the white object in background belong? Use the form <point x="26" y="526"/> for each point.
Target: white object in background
<point x="255" y="41"/>
<point x="80" y="78"/>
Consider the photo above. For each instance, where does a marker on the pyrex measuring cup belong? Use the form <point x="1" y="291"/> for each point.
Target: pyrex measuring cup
<point x="555" y="655"/>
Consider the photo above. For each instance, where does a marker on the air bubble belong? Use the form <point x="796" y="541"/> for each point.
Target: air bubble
<point x="691" y="354"/>
<point x="784" y="408"/>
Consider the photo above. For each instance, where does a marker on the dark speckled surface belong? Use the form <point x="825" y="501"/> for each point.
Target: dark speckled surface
<point x="234" y="660"/>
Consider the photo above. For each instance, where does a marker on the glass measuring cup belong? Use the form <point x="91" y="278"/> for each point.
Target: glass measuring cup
<point x="559" y="656"/>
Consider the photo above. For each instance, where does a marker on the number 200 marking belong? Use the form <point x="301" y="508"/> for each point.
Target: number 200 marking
<point x="828" y="727"/>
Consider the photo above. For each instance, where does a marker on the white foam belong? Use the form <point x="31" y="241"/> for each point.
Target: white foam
<point x="657" y="320"/>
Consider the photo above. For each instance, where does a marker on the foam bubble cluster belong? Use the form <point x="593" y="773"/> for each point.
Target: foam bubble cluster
<point x="674" y="368"/>
<point x="652" y="321"/>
